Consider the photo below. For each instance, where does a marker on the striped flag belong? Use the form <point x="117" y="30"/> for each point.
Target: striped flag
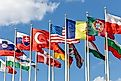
<point x="58" y="35"/>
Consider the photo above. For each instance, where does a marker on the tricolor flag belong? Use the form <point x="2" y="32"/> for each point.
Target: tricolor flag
<point x="44" y="58"/>
<point x="113" y="24"/>
<point x="10" y="62"/>
<point x="96" y="27"/>
<point x="23" y="41"/>
<point x="7" y="48"/>
<point x="115" y="48"/>
<point x="4" y="68"/>
<point x="93" y="49"/>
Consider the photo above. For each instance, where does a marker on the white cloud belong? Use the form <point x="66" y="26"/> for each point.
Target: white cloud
<point x="99" y="79"/>
<point x="119" y="79"/>
<point x="23" y="11"/>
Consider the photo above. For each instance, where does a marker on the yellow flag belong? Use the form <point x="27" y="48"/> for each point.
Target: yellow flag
<point x="81" y="30"/>
<point x="59" y="56"/>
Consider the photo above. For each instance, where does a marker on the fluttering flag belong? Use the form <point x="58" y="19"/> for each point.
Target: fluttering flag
<point x="93" y="49"/>
<point x="41" y="40"/>
<point x="115" y="48"/>
<point x="8" y="68"/>
<point x="77" y="30"/>
<point x="113" y="24"/>
<point x="96" y="27"/>
<point x="10" y="62"/>
<point x="44" y="58"/>
<point x="23" y="41"/>
<point x="56" y="34"/>
<point x="73" y="51"/>
<point x="7" y="48"/>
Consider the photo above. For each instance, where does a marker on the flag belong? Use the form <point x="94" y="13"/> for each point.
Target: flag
<point x="73" y="51"/>
<point x="96" y="27"/>
<point x="115" y="48"/>
<point x="40" y="39"/>
<point x="10" y="62"/>
<point x="113" y="24"/>
<point x="7" y="48"/>
<point x="59" y="53"/>
<point x="93" y="49"/>
<point x="56" y="34"/>
<point x="44" y="58"/>
<point x="8" y="68"/>
<point x="23" y="41"/>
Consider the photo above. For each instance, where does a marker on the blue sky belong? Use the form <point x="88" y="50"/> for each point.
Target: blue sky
<point x="19" y="13"/>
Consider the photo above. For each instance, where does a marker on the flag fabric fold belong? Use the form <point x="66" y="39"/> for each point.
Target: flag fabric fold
<point x="73" y="51"/>
<point x="10" y="62"/>
<point x="93" y="49"/>
<point x="7" y="48"/>
<point x="8" y="68"/>
<point x="44" y="58"/>
<point x="115" y="48"/>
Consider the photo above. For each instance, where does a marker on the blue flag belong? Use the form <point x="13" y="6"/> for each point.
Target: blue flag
<point x="70" y="31"/>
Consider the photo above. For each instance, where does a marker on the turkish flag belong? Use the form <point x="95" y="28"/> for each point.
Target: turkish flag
<point x="40" y="39"/>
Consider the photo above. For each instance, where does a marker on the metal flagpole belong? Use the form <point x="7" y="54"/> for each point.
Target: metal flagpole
<point x="68" y="67"/>
<point x="20" y="77"/>
<point x="53" y="69"/>
<point x="30" y="56"/>
<point x="53" y="59"/>
<point x="88" y="56"/>
<point x="13" y="76"/>
<point x="107" y="76"/>
<point x="66" y="74"/>
<point x="49" y="52"/>
<point x="5" y="70"/>
<point x="35" y="67"/>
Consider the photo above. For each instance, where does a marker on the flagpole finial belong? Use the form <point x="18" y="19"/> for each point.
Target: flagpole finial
<point x="65" y="15"/>
<point x="15" y="28"/>
<point x="49" y="21"/>
<point x="105" y="7"/>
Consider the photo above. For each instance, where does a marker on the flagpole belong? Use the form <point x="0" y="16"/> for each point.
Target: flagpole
<point x="107" y="76"/>
<point x="13" y="76"/>
<point x="53" y="69"/>
<point x="66" y="74"/>
<point x="53" y="61"/>
<point x="30" y="55"/>
<point x="68" y="68"/>
<point x="87" y="54"/>
<point x="20" y="77"/>
<point x="5" y="70"/>
<point x="35" y="66"/>
<point x="49" y="51"/>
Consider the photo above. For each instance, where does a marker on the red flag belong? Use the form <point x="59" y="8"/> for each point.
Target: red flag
<point x="10" y="70"/>
<point x="44" y="58"/>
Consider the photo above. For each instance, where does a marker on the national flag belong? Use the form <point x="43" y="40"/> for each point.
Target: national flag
<point x="73" y="51"/>
<point x="93" y="49"/>
<point x="115" y="48"/>
<point x="113" y="24"/>
<point x="56" y="34"/>
<point x="7" y="48"/>
<point x="44" y="58"/>
<point x="23" y="41"/>
<point x="40" y="39"/>
<point x="96" y="27"/>
<point x="7" y="69"/>
<point x="10" y="62"/>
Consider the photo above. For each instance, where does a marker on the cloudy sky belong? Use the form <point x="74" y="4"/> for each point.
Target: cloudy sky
<point x="20" y="13"/>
